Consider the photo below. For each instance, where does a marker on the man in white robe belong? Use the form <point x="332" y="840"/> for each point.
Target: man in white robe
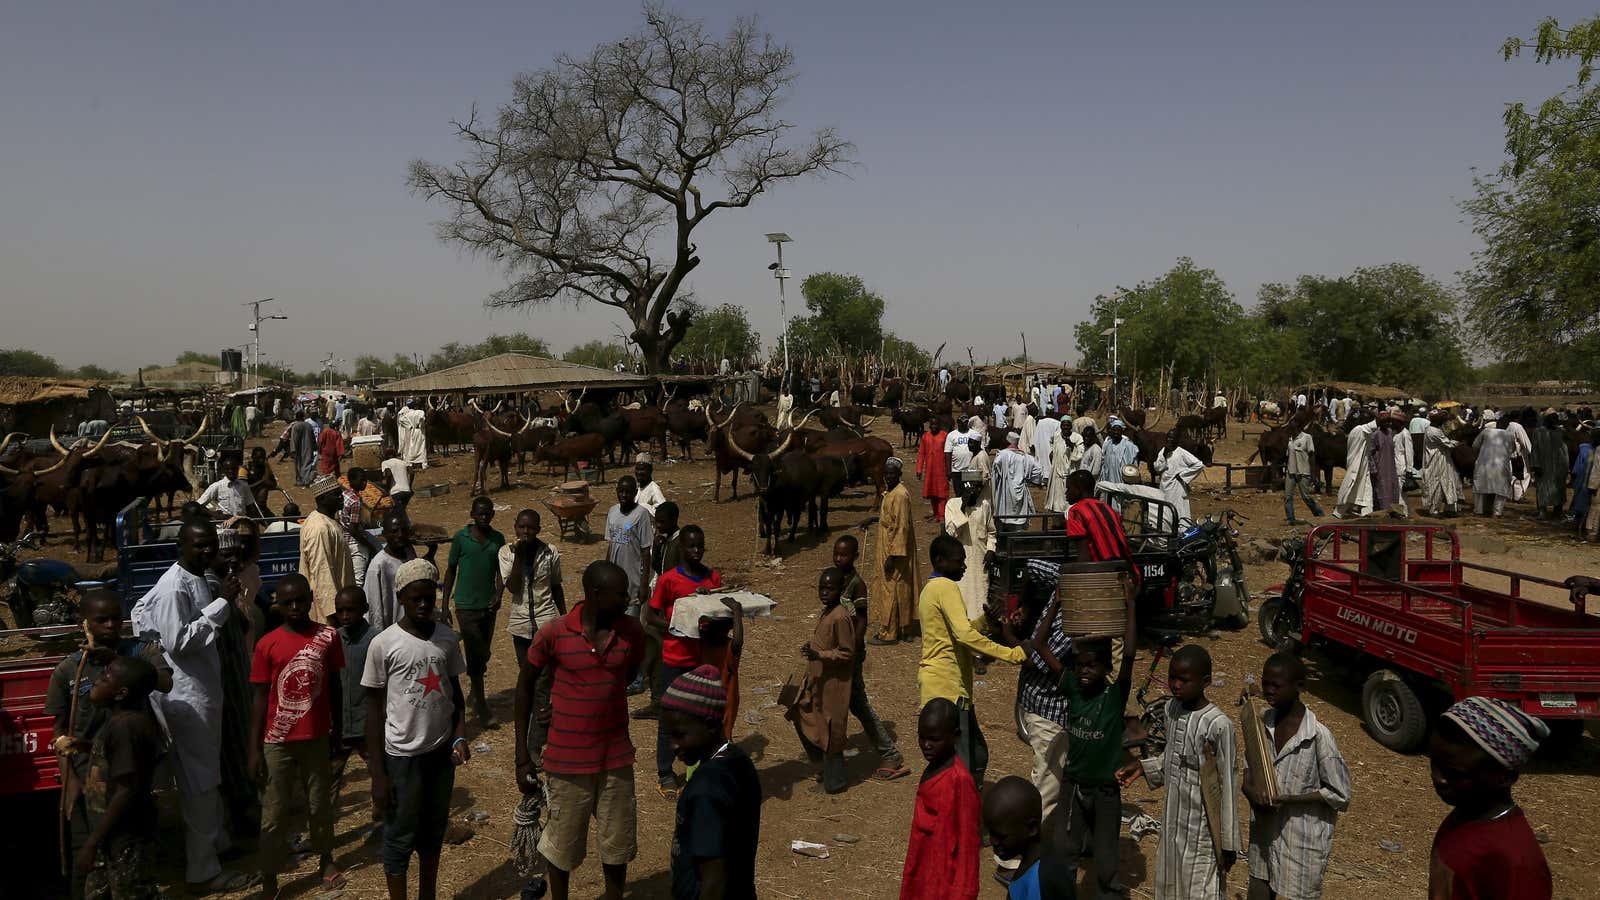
<point x="1118" y="451"/>
<point x="183" y="612"/>
<point x="1045" y="433"/>
<point x="1013" y="471"/>
<point x="1521" y="449"/>
<point x="1029" y="426"/>
<point x="413" y="440"/>
<point x="1441" y="484"/>
<point x="1355" y="492"/>
<point x="1178" y="468"/>
<point x="1491" y="474"/>
<point x="969" y="518"/>
<point x="1066" y="449"/>
<point x="785" y="411"/>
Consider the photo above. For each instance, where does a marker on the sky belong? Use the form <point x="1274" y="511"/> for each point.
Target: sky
<point x="167" y="162"/>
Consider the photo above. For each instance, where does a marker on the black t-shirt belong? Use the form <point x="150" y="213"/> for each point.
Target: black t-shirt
<point x="719" y="817"/>
<point x="128" y="745"/>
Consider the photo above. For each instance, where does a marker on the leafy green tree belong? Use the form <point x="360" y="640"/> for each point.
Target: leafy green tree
<point x="1388" y="324"/>
<point x="1186" y="320"/>
<point x="19" y="361"/>
<point x="720" y="333"/>
<point x="456" y="353"/>
<point x="905" y="356"/>
<point x="92" y="372"/>
<point x="1534" y="287"/>
<point x="600" y="354"/>
<point x="588" y="185"/>
<point x="190" y="357"/>
<point x="847" y="314"/>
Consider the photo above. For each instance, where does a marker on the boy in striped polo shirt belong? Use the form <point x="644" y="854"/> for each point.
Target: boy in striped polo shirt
<point x="594" y="650"/>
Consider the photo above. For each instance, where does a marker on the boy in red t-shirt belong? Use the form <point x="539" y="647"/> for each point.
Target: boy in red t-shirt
<point x="678" y="654"/>
<point x="1485" y="847"/>
<point x="297" y="699"/>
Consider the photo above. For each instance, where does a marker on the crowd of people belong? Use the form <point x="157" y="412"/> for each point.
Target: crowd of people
<point x="258" y="705"/>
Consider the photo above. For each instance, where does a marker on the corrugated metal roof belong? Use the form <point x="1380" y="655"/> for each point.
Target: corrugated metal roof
<point x="512" y="372"/>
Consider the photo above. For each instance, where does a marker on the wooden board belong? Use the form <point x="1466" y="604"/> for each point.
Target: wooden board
<point x="1260" y="773"/>
<point x="1211" y="789"/>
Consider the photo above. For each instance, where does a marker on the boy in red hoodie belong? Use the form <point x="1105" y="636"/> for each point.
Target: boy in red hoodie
<point x="942" y="858"/>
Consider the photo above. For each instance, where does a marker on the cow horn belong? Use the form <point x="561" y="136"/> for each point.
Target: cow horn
<point x="734" y="443"/>
<point x="787" y="440"/>
<point x="204" y="421"/>
<point x="804" y="420"/>
<point x="492" y="427"/>
<point x="7" y="441"/>
<point x="527" y="425"/>
<point x="497" y="407"/>
<point x="7" y="470"/>
<point x="96" y="448"/>
<point x="59" y="463"/>
<point x="473" y="402"/>
<point x="148" y="433"/>
<point x="868" y="423"/>
<point x="56" y="443"/>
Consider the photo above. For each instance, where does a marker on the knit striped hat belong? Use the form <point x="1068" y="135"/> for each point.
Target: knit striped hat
<point x="1506" y="733"/>
<point x="698" y="693"/>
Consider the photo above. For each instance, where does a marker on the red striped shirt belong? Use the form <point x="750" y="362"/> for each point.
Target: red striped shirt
<point x="589" y="696"/>
<point x="1099" y="523"/>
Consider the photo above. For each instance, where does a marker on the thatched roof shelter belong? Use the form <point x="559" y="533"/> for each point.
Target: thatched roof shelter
<point x="33" y="405"/>
<point x="511" y="373"/>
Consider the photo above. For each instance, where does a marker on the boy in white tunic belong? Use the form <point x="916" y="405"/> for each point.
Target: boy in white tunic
<point x="1189" y="865"/>
<point x="1292" y="838"/>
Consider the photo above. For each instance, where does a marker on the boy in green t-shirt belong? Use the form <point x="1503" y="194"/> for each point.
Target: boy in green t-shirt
<point x="472" y="581"/>
<point x="1091" y="798"/>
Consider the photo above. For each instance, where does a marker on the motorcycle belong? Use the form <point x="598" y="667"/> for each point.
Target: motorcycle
<point x="1210" y="585"/>
<point x="40" y="592"/>
<point x="1280" y="617"/>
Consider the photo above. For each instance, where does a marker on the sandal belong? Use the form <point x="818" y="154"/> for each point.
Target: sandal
<point x="668" y="790"/>
<point x="891" y="772"/>
<point x="225" y="882"/>
<point x="334" y="882"/>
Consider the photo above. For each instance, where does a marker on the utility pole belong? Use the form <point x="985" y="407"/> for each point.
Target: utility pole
<point x="782" y="275"/>
<point x="256" y="318"/>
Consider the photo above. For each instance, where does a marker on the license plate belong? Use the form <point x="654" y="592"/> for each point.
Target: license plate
<point x="1155" y="570"/>
<point x="1558" y="701"/>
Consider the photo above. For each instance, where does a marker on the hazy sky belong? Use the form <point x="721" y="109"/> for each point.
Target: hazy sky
<point x="166" y="162"/>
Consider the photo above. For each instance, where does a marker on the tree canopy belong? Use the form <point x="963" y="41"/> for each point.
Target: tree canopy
<point x="588" y="185"/>
<point x="1388" y="324"/>
<point x="1184" y="320"/>
<point x="720" y="333"/>
<point x="1534" y="287"/>
<point x="846" y="317"/>
<point x="600" y="354"/>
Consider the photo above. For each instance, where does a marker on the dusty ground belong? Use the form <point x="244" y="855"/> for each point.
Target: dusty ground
<point x="1394" y="805"/>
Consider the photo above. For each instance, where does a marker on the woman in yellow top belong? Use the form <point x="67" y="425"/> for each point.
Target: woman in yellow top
<point x="949" y="641"/>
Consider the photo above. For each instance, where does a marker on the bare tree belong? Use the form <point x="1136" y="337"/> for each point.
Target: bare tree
<point x="588" y="184"/>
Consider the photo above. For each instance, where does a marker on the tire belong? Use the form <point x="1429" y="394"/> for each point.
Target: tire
<point x="1279" y="622"/>
<point x="1392" y="712"/>
<point x="1564" y="738"/>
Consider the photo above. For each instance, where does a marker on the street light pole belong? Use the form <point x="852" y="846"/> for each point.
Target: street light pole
<point x="1112" y="332"/>
<point x="255" y="327"/>
<point x="782" y="275"/>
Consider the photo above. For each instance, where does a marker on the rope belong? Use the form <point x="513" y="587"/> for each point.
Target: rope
<point x="525" y="834"/>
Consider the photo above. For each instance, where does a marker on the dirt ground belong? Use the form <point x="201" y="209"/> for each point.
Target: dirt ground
<point x="1381" y="846"/>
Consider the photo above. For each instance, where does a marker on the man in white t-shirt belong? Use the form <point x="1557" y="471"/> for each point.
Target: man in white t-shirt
<point x="230" y="493"/>
<point x="399" y="477"/>
<point x="416" y="734"/>
<point x="650" y="495"/>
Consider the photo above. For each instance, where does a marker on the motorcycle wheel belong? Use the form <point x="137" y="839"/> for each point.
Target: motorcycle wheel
<point x="1280" y="625"/>
<point x="1154" y="722"/>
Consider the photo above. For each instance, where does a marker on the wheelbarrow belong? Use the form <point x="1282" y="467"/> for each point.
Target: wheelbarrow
<point x="572" y="515"/>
